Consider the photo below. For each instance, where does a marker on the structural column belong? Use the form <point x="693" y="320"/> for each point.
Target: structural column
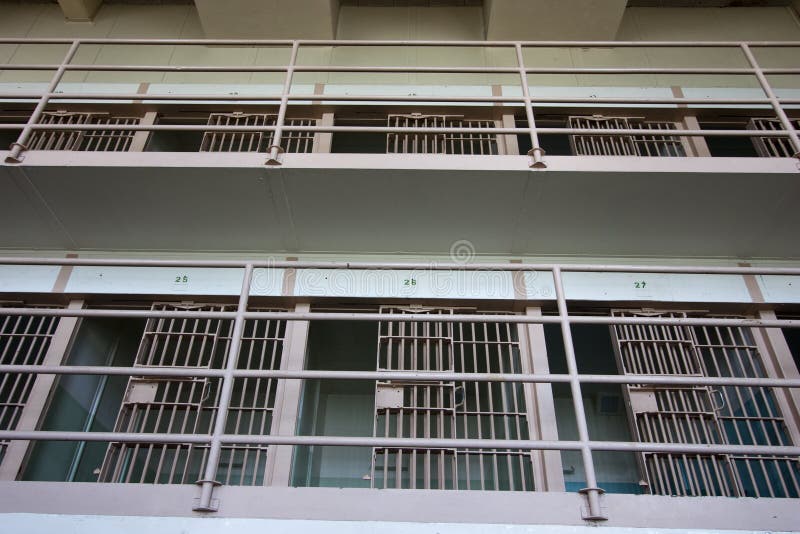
<point x="547" y="468"/>
<point x="287" y="400"/>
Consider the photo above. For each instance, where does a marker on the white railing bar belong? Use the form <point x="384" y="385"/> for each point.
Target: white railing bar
<point x="592" y="490"/>
<point x="398" y="443"/>
<point x="409" y="317"/>
<point x="19" y="145"/>
<point x="389" y="129"/>
<point x="275" y="147"/>
<point x="427" y="43"/>
<point x="397" y="69"/>
<point x="433" y="266"/>
<point x="396" y="98"/>
<point x="414" y="376"/>
<point x="536" y="149"/>
<point x="226" y="391"/>
<point x="776" y="106"/>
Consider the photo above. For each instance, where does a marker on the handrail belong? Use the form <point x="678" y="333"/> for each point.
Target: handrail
<point x="528" y="99"/>
<point x="584" y="444"/>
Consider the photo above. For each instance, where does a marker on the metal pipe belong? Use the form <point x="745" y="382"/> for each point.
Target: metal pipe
<point x="19" y="145"/>
<point x="389" y="129"/>
<point x="536" y="151"/>
<point x="432" y="266"/>
<point x="401" y="375"/>
<point x="426" y="43"/>
<point x="398" y="443"/>
<point x="397" y="98"/>
<point x="776" y="106"/>
<point x="275" y="149"/>
<point x="592" y="491"/>
<point x="221" y="421"/>
<point x="397" y="69"/>
<point x="373" y="317"/>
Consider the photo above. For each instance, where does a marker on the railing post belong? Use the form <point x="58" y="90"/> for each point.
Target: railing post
<point x="537" y="152"/>
<point x="776" y="104"/>
<point x="591" y="491"/>
<point x="15" y="156"/>
<point x="275" y="148"/>
<point x="208" y="482"/>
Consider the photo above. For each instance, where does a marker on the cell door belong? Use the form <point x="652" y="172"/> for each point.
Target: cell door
<point x="24" y="340"/>
<point x="702" y="415"/>
<point x="672" y="414"/>
<point x="415" y="408"/>
<point x="450" y="409"/>
<point x="188" y="405"/>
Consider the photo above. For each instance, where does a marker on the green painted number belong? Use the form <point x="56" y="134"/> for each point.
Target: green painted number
<point x="181" y="279"/>
<point x="409" y="282"/>
<point x="640" y="285"/>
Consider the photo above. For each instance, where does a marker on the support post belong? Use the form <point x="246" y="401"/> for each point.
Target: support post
<point x="140" y="138"/>
<point x="548" y="471"/>
<point x="776" y="105"/>
<point x="15" y="156"/>
<point x="287" y="401"/>
<point x="536" y="152"/>
<point x="591" y="491"/>
<point x="275" y="149"/>
<point x="207" y="484"/>
<point x="323" y="140"/>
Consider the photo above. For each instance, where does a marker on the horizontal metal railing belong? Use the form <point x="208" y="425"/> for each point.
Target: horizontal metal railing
<point x="526" y="99"/>
<point x="218" y="438"/>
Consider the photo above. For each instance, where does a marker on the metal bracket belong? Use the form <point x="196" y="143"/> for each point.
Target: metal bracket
<point x="586" y="513"/>
<point x="274" y="156"/>
<point x="537" y="154"/>
<point x="16" y="155"/>
<point x="213" y="505"/>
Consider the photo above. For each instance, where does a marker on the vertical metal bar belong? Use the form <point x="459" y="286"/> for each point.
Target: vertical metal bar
<point x="536" y="151"/>
<point x="274" y="150"/>
<point x="592" y="491"/>
<point x="18" y="146"/>
<point x="226" y="391"/>
<point x="776" y="105"/>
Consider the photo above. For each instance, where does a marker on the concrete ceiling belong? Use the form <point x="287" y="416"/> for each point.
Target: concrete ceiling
<point x="370" y="204"/>
<point x="552" y="20"/>
<point x="268" y="19"/>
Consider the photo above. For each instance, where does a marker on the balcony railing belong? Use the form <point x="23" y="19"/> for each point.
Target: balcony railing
<point x="513" y="76"/>
<point x="705" y="416"/>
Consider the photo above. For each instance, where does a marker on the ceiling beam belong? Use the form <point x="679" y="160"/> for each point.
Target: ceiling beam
<point x="552" y="20"/>
<point x="268" y="19"/>
<point x="79" y="10"/>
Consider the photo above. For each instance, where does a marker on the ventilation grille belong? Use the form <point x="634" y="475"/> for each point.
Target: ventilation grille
<point x="291" y="141"/>
<point x="623" y="145"/>
<point x="772" y="147"/>
<point x="89" y="140"/>
<point x="444" y="143"/>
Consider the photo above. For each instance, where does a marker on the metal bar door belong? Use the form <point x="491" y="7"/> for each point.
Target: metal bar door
<point x="450" y="409"/>
<point x="189" y="405"/>
<point x="672" y="414"/>
<point x="24" y="340"/>
<point x="738" y="415"/>
<point x="169" y="404"/>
